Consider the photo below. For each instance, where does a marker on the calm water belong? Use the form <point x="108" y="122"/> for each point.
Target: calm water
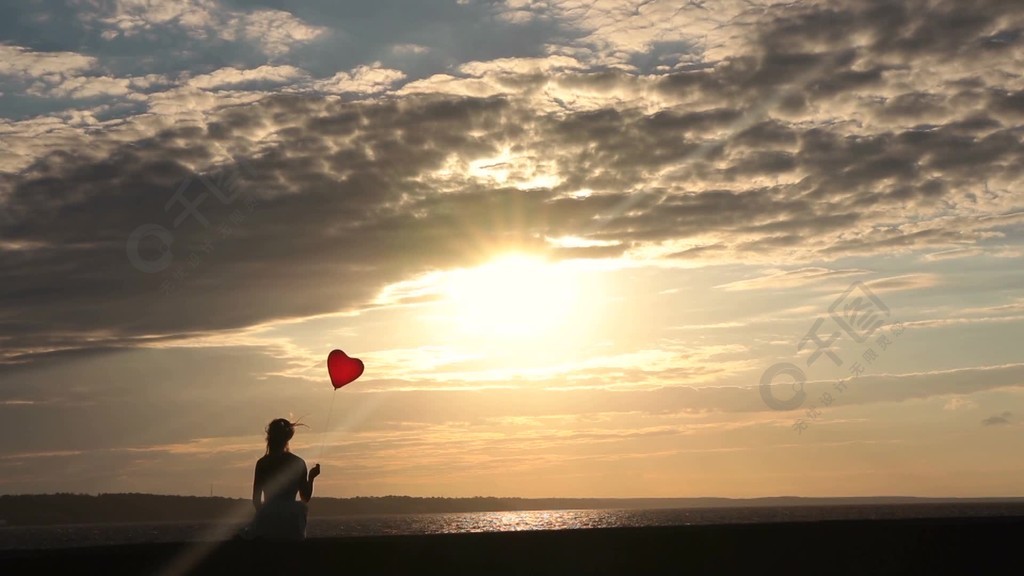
<point x="91" y="535"/>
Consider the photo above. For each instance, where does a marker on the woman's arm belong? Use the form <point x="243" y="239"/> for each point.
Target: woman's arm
<point x="306" y="492"/>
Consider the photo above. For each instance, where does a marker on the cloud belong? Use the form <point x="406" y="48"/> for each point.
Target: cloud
<point x="25" y="63"/>
<point x="995" y="252"/>
<point x="352" y="180"/>
<point x="905" y="282"/>
<point x="613" y="31"/>
<point x="739" y="160"/>
<point x="1009" y="319"/>
<point x="998" y="420"/>
<point x="83" y="87"/>
<point x="790" y="278"/>
<point x="894" y="388"/>
<point x="364" y="80"/>
<point x="959" y="403"/>
<point x="234" y="78"/>
<point x="953" y="253"/>
<point x="276" y="32"/>
<point x="409" y="49"/>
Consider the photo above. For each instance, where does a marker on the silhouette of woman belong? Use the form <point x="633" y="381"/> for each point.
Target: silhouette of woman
<point x="279" y="477"/>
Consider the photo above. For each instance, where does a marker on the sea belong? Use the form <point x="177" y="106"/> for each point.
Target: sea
<point x="84" y="535"/>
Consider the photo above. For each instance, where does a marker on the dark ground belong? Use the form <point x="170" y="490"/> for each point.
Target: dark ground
<point x="863" y="547"/>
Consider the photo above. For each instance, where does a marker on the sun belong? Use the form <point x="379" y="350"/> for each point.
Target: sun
<point x="514" y="296"/>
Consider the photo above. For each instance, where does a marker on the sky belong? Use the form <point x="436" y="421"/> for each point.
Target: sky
<point x="584" y="249"/>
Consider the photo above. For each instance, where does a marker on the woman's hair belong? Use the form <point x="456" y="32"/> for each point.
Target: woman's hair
<point x="279" y="432"/>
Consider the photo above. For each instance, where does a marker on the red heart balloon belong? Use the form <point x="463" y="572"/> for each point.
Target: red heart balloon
<point x="342" y="368"/>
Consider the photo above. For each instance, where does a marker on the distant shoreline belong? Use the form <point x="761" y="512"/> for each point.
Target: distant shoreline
<point x="65" y="509"/>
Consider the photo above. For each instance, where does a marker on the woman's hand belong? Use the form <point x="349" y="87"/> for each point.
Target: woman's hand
<point x="314" y="472"/>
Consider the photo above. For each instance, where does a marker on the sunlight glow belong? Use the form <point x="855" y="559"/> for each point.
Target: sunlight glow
<point x="514" y="296"/>
<point x="578" y="242"/>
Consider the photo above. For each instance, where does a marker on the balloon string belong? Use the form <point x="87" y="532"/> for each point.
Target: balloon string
<point x="323" y="435"/>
